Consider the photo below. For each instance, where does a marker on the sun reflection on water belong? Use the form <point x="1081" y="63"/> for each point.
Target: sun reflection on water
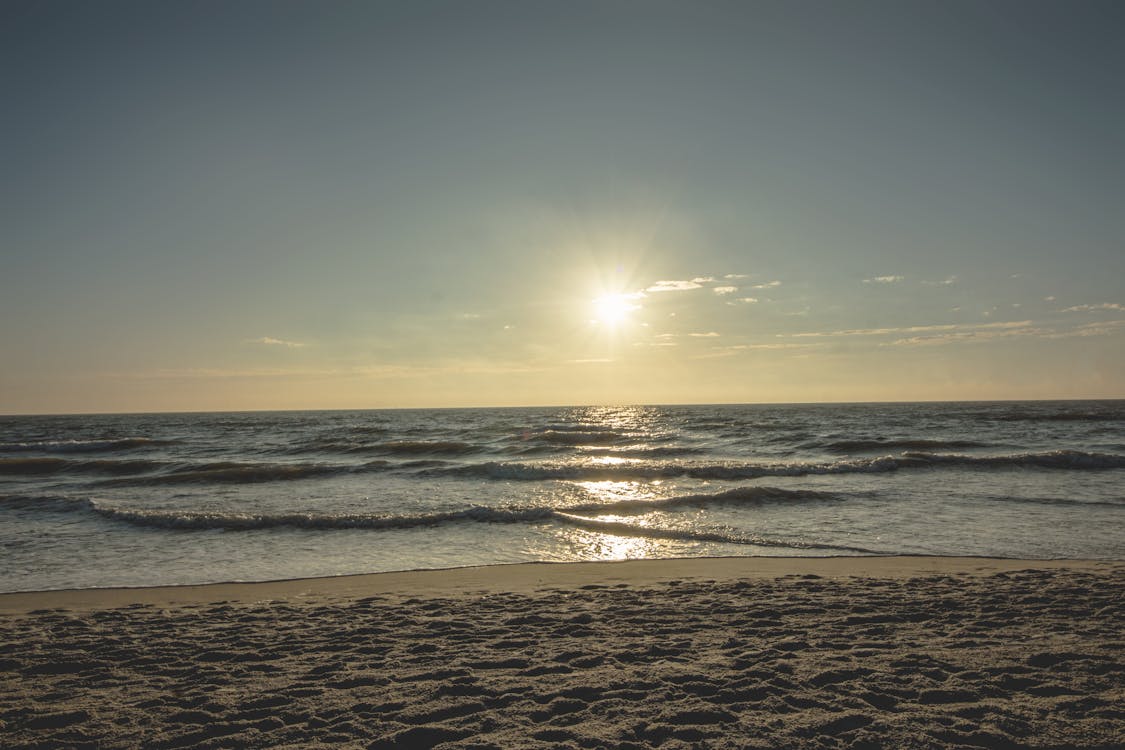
<point x="609" y="461"/>
<point x="612" y="491"/>
<point x="594" y="545"/>
<point x="615" y="428"/>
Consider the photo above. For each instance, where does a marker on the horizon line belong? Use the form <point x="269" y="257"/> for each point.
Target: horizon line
<point x="563" y="406"/>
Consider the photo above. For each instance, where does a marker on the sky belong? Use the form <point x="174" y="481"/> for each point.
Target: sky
<point x="299" y="205"/>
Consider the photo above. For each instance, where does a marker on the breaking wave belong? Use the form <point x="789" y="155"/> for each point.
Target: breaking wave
<point x="735" y="496"/>
<point x="200" y="521"/>
<point x="581" y="516"/>
<point x="618" y="528"/>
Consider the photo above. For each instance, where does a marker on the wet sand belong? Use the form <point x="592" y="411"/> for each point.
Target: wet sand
<point x="920" y="652"/>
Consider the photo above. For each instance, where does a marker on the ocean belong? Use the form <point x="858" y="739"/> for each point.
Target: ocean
<point x="154" y="499"/>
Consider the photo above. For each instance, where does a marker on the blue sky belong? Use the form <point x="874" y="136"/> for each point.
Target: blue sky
<point x="215" y="205"/>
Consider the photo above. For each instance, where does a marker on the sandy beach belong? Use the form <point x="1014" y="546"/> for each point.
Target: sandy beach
<point x="909" y="652"/>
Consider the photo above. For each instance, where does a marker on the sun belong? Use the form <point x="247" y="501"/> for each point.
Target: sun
<point x="614" y="309"/>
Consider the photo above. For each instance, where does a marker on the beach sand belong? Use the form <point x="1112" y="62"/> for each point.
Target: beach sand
<point x="920" y="652"/>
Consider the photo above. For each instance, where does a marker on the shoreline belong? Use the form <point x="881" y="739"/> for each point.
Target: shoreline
<point x="529" y="577"/>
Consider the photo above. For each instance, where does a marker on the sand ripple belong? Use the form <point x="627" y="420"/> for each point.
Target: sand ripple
<point x="1026" y="659"/>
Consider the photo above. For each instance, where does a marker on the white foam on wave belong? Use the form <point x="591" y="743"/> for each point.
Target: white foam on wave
<point x="582" y="515"/>
<point x="619" y="528"/>
<point x="82" y="446"/>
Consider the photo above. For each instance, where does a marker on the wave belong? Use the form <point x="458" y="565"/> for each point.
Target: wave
<point x="245" y="473"/>
<point x="33" y="465"/>
<point x="1055" y="501"/>
<point x="41" y="466"/>
<point x="417" y="463"/>
<point x="370" y="429"/>
<point x="866" y="446"/>
<point x="216" y="521"/>
<point x="213" y="521"/>
<point x="587" y="427"/>
<point x="392" y="448"/>
<point x="457" y="449"/>
<point x="199" y="521"/>
<point x="129" y="472"/>
<point x="45" y="503"/>
<point x="736" y="496"/>
<point x="624" y="451"/>
<point x="642" y="452"/>
<point x="1061" y="416"/>
<point x="618" y="528"/>
<point x="427" y="447"/>
<point x="575" y="437"/>
<point x="388" y="448"/>
<point x="140" y="472"/>
<point x="532" y="450"/>
<point x="643" y="470"/>
<point x="83" y="446"/>
<point x="1062" y="459"/>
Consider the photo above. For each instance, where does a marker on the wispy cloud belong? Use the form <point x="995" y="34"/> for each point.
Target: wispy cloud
<point x="1100" y="306"/>
<point x="767" y="285"/>
<point x="1105" y="328"/>
<point x="947" y="281"/>
<point x="748" y="300"/>
<point x="271" y="341"/>
<point x="716" y="354"/>
<point x="735" y="349"/>
<point x="388" y="370"/>
<point x="708" y="335"/>
<point x="952" y="333"/>
<point x="912" y="329"/>
<point x="736" y="276"/>
<point x="674" y="286"/>
<point x="725" y="289"/>
<point x="884" y="280"/>
<point x="191" y="373"/>
<point x="970" y="336"/>
<point x="771" y="347"/>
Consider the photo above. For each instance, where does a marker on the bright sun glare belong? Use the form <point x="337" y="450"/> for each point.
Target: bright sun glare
<point x="613" y="309"/>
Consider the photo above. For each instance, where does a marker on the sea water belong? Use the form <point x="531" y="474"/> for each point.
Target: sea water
<point x="130" y="500"/>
